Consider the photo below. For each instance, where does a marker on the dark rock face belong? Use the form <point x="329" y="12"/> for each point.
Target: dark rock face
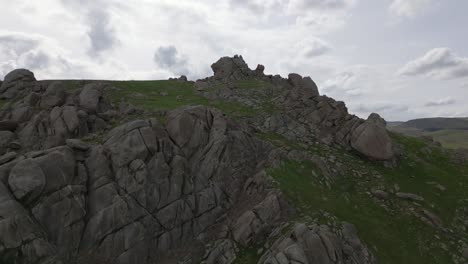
<point x="148" y="191"/>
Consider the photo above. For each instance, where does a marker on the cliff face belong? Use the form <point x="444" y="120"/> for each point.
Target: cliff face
<point x="84" y="180"/>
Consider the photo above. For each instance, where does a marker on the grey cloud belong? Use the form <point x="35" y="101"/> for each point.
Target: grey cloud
<point x="320" y="4"/>
<point x="409" y="8"/>
<point x="315" y="48"/>
<point x="97" y="16"/>
<point x="340" y="82"/>
<point x="16" y="44"/>
<point x="169" y="58"/>
<point x="380" y="107"/>
<point x="36" y="60"/>
<point x="441" y="63"/>
<point x="441" y="102"/>
<point x="248" y="4"/>
<point x="101" y="32"/>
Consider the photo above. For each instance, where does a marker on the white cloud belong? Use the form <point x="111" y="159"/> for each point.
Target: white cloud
<point x="409" y="8"/>
<point x="441" y="102"/>
<point x="441" y="63"/>
<point x="313" y="47"/>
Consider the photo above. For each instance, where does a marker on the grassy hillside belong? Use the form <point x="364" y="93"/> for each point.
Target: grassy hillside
<point x="392" y="228"/>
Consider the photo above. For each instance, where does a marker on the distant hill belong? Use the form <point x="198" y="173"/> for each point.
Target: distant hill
<point x="450" y="132"/>
<point x="435" y="124"/>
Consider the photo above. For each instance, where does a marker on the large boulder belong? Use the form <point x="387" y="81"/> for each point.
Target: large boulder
<point x="372" y="140"/>
<point x="230" y="68"/>
<point x="54" y="95"/>
<point x="15" y="82"/>
<point x="90" y="98"/>
<point x="27" y="180"/>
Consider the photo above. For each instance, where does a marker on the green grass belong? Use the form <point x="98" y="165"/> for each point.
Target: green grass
<point x="248" y="255"/>
<point x="395" y="236"/>
<point x="2" y="103"/>
<point x="168" y="95"/>
<point x="156" y="95"/>
<point x="451" y="138"/>
<point x="72" y="85"/>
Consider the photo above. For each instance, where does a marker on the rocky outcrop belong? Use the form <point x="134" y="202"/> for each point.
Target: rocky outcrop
<point x="372" y="140"/>
<point x="302" y="114"/>
<point x="16" y="83"/>
<point x="191" y="190"/>
<point x="317" y="244"/>
<point x="231" y="68"/>
<point x="47" y="115"/>
<point x="147" y="195"/>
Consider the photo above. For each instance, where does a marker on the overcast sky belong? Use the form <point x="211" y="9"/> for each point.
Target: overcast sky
<point x="401" y="58"/>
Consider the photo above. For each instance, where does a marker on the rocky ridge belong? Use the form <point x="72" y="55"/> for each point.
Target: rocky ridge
<point x="191" y="189"/>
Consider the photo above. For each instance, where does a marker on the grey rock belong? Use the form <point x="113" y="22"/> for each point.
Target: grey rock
<point x="77" y="144"/>
<point x="9" y="156"/>
<point x="372" y="140"/>
<point x="318" y="245"/>
<point x="380" y="194"/>
<point x="8" y="125"/>
<point x="90" y="98"/>
<point x="230" y="68"/>
<point x="27" y="180"/>
<point x="409" y="196"/>
<point x="6" y="137"/>
<point x="32" y="99"/>
<point x="259" y="70"/>
<point x="54" y="95"/>
<point x="222" y="252"/>
<point x="16" y="82"/>
<point x="465" y="253"/>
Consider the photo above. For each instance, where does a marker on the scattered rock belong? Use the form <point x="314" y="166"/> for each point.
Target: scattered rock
<point x="409" y="196"/>
<point x="434" y="220"/>
<point x="380" y="194"/>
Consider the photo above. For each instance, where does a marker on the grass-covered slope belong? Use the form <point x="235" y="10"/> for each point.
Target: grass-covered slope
<point x="392" y="228"/>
